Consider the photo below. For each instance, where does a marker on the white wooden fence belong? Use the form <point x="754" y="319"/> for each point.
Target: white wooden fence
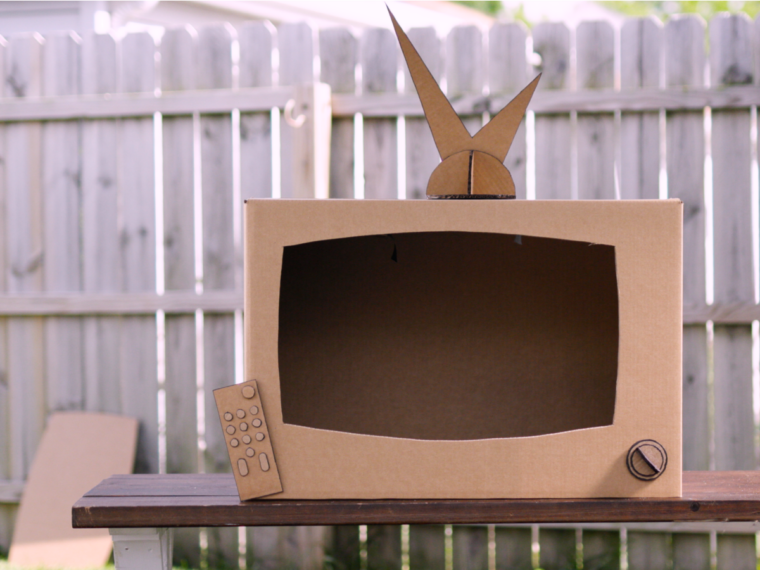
<point x="124" y="163"/>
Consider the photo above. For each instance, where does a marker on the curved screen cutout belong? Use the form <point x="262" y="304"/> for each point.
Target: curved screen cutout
<point x="448" y="335"/>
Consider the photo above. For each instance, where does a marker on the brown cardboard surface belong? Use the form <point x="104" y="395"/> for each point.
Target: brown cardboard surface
<point x="77" y="451"/>
<point x="314" y="462"/>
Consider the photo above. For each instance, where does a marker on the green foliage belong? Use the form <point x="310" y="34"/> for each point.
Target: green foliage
<point x="665" y="9"/>
<point x="490" y="7"/>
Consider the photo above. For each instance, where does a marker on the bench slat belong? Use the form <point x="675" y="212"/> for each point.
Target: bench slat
<point x="211" y="500"/>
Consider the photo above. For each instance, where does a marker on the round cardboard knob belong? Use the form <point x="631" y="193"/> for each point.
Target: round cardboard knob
<point x="647" y="460"/>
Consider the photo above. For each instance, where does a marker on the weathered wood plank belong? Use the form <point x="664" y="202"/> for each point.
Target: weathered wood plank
<point x="379" y="60"/>
<point x="553" y="133"/>
<point x="345" y="548"/>
<point x="7" y="512"/>
<point x="508" y="75"/>
<point x="649" y="550"/>
<point x="383" y="547"/>
<point x="24" y="257"/>
<point x="596" y="133"/>
<point x="338" y="52"/>
<point x="137" y="250"/>
<point x="296" y="47"/>
<point x="685" y="151"/>
<point x="731" y="64"/>
<point x="514" y="549"/>
<point x="601" y="550"/>
<point x="178" y="72"/>
<point x="421" y="153"/>
<point x="427" y="547"/>
<point x="214" y="71"/>
<point x="470" y="548"/>
<point x="61" y="204"/>
<point x="101" y="265"/>
<point x="387" y="105"/>
<point x="256" y="41"/>
<point x="557" y="549"/>
<point x="641" y="46"/>
<point x="691" y="551"/>
<point x="465" y="73"/>
<point x="133" y="500"/>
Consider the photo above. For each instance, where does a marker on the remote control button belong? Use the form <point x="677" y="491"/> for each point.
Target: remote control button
<point x="234" y="442"/>
<point x="242" y="467"/>
<point x="243" y="426"/>
<point x="228" y="416"/>
<point x="254" y="410"/>
<point x="264" y="461"/>
<point x="248" y="392"/>
<point x="241" y="414"/>
<point x="250" y="452"/>
<point x="230" y="429"/>
<point x="256" y="423"/>
<point x="260" y="436"/>
<point x="246" y="439"/>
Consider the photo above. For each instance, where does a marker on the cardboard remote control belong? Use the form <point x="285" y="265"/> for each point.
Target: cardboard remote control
<point x="248" y="443"/>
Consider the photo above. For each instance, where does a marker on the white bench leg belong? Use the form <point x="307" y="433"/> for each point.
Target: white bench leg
<point x="142" y="548"/>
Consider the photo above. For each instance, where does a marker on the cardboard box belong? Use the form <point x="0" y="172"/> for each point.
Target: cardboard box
<point x="466" y="348"/>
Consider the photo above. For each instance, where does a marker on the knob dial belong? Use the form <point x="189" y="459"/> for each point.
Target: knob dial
<point x="647" y="460"/>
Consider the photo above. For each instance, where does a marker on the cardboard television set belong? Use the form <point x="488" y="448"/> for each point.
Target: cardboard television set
<point x="459" y="347"/>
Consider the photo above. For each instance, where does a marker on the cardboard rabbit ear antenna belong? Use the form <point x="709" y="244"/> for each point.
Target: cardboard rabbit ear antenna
<point x="472" y="166"/>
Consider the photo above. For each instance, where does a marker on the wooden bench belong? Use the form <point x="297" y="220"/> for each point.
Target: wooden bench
<point x="140" y="510"/>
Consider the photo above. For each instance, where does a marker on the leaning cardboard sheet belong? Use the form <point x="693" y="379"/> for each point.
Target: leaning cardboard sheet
<point x="459" y="347"/>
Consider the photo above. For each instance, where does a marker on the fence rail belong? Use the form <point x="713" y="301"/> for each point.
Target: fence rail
<point x="125" y="161"/>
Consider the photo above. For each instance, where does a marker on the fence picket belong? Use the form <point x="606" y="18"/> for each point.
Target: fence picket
<point x="730" y="64"/>
<point x="24" y="256"/>
<point x="178" y="67"/>
<point x="421" y="153"/>
<point x="138" y="371"/>
<point x="338" y="52"/>
<point x="514" y="549"/>
<point x="379" y="60"/>
<point x="507" y="75"/>
<point x="427" y="547"/>
<point x="383" y="547"/>
<point x="640" y="54"/>
<point x="685" y="60"/>
<point x="601" y="550"/>
<point x="7" y="512"/>
<point x="256" y="42"/>
<point x="557" y="549"/>
<point x="101" y="265"/>
<point x="60" y="219"/>
<point x="344" y="553"/>
<point x="464" y="69"/>
<point x="595" y="49"/>
<point x="296" y="46"/>
<point x="470" y="547"/>
<point x="649" y="550"/>
<point x="553" y="132"/>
